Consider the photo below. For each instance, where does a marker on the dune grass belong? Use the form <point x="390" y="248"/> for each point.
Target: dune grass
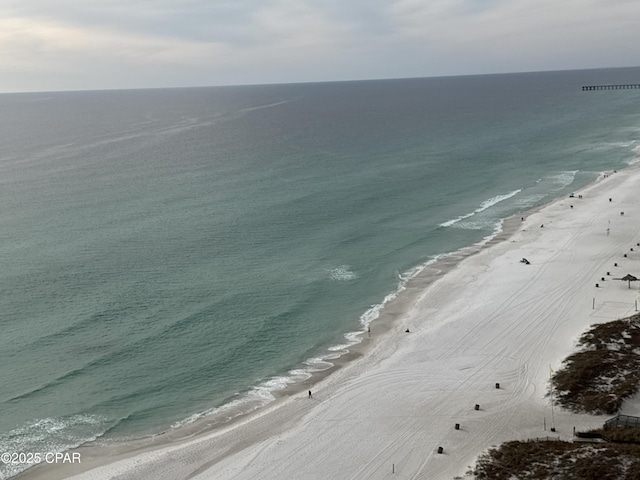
<point x="604" y="372"/>
<point x="543" y="460"/>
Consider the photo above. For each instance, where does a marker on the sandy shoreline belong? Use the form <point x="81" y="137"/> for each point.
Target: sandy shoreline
<point x="487" y="319"/>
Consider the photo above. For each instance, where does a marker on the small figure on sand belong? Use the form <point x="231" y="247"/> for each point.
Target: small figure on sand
<point x="310" y="396"/>
<point x="525" y="261"/>
<point x="406" y="331"/>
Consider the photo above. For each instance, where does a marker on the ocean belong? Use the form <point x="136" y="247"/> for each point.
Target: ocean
<point x="174" y="253"/>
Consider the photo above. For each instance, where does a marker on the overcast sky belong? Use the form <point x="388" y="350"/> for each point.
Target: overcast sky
<point x="104" y="44"/>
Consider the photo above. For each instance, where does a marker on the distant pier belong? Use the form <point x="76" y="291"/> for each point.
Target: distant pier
<point x="610" y="87"/>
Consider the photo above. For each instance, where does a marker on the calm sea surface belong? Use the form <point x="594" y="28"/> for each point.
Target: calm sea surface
<point x="168" y="253"/>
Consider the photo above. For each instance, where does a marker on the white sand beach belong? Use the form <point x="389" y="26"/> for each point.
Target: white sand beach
<point x="491" y="319"/>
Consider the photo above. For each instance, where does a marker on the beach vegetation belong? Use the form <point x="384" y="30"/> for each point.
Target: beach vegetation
<point x="604" y="372"/>
<point x="540" y="460"/>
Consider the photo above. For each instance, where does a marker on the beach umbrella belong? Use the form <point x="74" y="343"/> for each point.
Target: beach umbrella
<point x="629" y="278"/>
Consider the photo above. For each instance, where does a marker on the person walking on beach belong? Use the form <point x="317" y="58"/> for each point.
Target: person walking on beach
<point x="310" y="396"/>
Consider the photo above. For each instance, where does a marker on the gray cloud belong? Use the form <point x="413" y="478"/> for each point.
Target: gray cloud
<point x="63" y="44"/>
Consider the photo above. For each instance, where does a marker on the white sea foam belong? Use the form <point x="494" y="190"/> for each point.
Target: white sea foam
<point x="528" y="201"/>
<point x="497" y="229"/>
<point x="36" y="432"/>
<point x="497" y="199"/>
<point x="260" y="107"/>
<point x="263" y="394"/>
<point x="342" y="273"/>
<point x="486" y="224"/>
<point x="247" y="402"/>
<point x="50" y="435"/>
<point x="483" y="206"/>
<point x="636" y="157"/>
<point x="317" y="364"/>
<point x="448" y="223"/>
<point x="564" y="179"/>
<point x="609" y="145"/>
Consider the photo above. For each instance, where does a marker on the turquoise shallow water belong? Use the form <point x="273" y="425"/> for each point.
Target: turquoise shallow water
<point x="169" y="252"/>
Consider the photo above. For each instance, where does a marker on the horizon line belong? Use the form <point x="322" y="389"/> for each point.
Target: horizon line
<point x="312" y="82"/>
